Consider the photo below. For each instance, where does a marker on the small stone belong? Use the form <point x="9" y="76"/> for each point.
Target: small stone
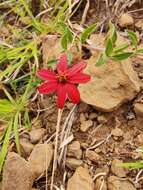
<point x="117" y="132"/>
<point x="81" y="180"/>
<point x="100" y="182"/>
<point x="74" y="150"/>
<point x="126" y="20"/>
<point x="139" y="24"/>
<point x="102" y="119"/>
<point x="82" y="118"/>
<point x="98" y="150"/>
<point x="115" y="183"/>
<point x="38" y="158"/>
<point x="140" y="139"/>
<point x="92" y="115"/>
<point x="86" y="125"/>
<point x="138" y="108"/>
<point x="117" y="169"/>
<point x="93" y="156"/>
<point x="26" y="147"/>
<point x="73" y="163"/>
<point x="17" y="173"/>
<point x="37" y="134"/>
<point x="104" y="169"/>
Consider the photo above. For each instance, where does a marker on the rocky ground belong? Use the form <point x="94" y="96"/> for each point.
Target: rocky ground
<point x="97" y="135"/>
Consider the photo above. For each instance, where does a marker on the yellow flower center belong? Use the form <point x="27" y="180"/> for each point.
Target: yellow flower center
<point x="62" y="77"/>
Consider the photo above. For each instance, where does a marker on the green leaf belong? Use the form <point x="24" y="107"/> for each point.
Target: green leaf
<point x="120" y="48"/>
<point x="52" y="62"/>
<point x="102" y="60"/>
<point x="27" y="123"/>
<point x="70" y="58"/>
<point x="133" y="37"/>
<point x="140" y="51"/>
<point x="67" y="36"/>
<point x="4" y="149"/>
<point x="6" y="107"/>
<point x="16" y="133"/>
<point x="64" y="42"/>
<point x="109" y="47"/>
<point x="87" y="32"/>
<point x="112" y="33"/>
<point x="122" y="56"/>
<point x="134" y="165"/>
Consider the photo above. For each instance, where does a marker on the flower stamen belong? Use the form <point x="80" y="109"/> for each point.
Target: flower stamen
<point x="62" y="77"/>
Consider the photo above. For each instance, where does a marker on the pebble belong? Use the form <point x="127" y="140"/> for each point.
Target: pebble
<point x="86" y="125"/>
<point x="93" y="156"/>
<point x="37" y="134"/>
<point x="26" y="147"/>
<point x="100" y="182"/>
<point x="117" y="132"/>
<point x="73" y="163"/>
<point x="38" y="160"/>
<point x="138" y="108"/>
<point x="126" y="20"/>
<point x="81" y="180"/>
<point x="117" y="169"/>
<point x="74" y="150"/>
<point x="115" y="183"/>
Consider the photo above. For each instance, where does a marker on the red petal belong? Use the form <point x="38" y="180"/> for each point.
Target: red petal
<point x="76" y="68"/>
<point x="73" y="93"/>
<point x="61" y="95"/>
<point x="46" y="74"/>
<point x="47" y="87"/>
<point x="62" y="64"/>
<point x="79" y="78"/>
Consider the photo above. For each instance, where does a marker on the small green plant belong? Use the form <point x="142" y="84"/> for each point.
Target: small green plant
<point x="134" y="165"/>
<point x="10" y="112"/>
<point x="121" y="52"/>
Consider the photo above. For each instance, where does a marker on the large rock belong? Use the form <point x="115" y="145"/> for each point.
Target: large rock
<point x="111" y="84"/>
<point x="17" y="174"/>
<point x="81" y="180"/>
<point x="115" y="183"/>
<point x="41" y="158"/>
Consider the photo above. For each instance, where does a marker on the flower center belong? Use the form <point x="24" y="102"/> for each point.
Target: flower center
<point x="62" y="77"/>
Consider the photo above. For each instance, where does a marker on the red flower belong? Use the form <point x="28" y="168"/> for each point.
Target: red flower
<point x="63" y="81"/>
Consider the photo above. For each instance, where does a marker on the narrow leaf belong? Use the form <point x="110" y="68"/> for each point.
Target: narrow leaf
<point x="102" y="60"/>
<point x="87" y="32"/>
<point x="112" y="33"/>
<point x="4" y="149"/>
<point x="122" y="56"/>
<point x="16" y="134"/>
<point x="109" y="47"/>
<point x="120" y="48"/>
<point x="133" y="37"/>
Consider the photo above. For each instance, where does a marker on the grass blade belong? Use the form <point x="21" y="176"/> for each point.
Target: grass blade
<point x="4" y="149"/>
